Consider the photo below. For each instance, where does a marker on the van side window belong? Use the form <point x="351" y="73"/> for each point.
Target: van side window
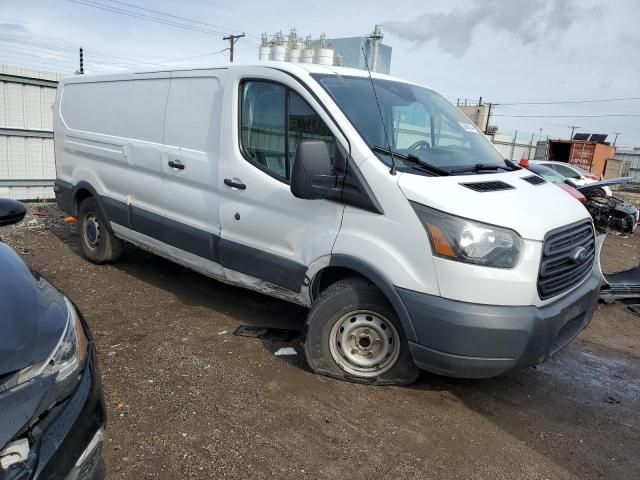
<point x="273" y="121"/>
<point x="305" y="124"/>
<point x="263" y="125"/>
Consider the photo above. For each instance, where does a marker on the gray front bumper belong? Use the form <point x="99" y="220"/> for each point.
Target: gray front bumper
<point x="470" y="340"/>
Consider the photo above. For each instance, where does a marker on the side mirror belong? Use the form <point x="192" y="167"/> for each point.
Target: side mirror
<point x="311" y="175"/>
<point x="11" y="211"/>
<point x="570" y="182"/>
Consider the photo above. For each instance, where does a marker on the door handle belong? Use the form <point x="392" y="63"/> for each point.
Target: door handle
<point x="176" y="164"/>
<point x="235" y="183"/>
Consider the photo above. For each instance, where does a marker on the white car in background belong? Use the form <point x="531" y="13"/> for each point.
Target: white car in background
<point x="579" y="176"/>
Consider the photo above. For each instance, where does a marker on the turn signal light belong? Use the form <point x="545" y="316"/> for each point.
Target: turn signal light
<point x="440" y="243"/>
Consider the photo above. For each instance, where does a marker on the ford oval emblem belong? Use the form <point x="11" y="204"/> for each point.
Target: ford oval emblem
<point x="579" y="255"/>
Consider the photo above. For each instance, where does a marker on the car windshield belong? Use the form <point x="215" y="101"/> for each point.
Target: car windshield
<point x="419" y="123"/>
<point x="582" y="171"/>
<point x="546" y="173"/>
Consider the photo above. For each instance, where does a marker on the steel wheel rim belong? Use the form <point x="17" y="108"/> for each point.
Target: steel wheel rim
<point x="364" y="343"/>
<point x="91" y="231"/>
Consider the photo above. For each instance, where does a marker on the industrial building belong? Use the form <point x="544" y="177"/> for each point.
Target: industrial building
<point x="346" y="52"/>
<point x="630" y="158"/>
<point x="478" y="114"/>
<point x="27" y="164"/>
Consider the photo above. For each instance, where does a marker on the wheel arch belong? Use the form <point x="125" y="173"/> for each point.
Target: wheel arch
<point x="342" y="266"/>
<point x="83" y="190"/>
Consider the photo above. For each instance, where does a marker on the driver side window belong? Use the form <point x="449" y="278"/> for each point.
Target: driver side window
<point x="273" y="121"/>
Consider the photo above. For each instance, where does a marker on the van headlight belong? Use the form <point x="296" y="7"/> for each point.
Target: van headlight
<point x="66" y="360"/>
<point x="463" y="240"/>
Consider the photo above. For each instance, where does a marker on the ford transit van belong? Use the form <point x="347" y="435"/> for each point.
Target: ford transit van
<point x="371" y="200"/>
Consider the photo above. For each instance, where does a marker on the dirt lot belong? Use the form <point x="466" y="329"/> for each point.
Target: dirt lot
<point x="202" y="403"/>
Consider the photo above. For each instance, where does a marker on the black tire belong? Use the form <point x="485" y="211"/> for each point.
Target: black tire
<point x="349" y="304"/>
<point x="99" y="244"/>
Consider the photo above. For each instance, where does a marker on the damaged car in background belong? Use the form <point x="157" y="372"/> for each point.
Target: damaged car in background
<point x="52" y="411"/>
<point x="610" y="214"/>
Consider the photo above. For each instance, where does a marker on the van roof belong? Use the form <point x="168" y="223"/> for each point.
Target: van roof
<point x="295" y="68"/>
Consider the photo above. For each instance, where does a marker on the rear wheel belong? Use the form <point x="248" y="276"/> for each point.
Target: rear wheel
<point x="354" y="334"/>
<point x="99" y="244"/>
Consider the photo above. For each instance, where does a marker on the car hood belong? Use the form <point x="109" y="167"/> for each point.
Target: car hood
<point x="530" y="210"/>
<point x="33" y="314"/>
<point x="591" y="186"/>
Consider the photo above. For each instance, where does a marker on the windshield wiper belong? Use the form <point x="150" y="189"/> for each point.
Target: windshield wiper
<point x="413" y="159"/>
<point x="481" y="167"/>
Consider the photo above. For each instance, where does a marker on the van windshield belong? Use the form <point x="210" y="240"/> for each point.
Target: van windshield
<point x="419" y="122"/>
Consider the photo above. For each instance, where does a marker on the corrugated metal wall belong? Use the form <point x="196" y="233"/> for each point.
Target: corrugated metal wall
<point x="26" y="133"/>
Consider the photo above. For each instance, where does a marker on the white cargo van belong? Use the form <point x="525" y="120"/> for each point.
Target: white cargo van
<point x="374" y="202"/>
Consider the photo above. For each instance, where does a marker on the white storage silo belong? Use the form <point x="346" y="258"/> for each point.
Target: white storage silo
<point x="307" y="53"/>
<point x="265" y="49"/>
<point x="293" y="55"/>
<point x="293" y="52"/>
<point x="279" y="53"/>
<point x="278" y="50"/>
<point x="324" y="55"/>
<point x="265" y="53"/>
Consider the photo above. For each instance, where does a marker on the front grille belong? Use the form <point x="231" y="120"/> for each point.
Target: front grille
<point x="488" y="186"/>
<point x="558" y="270"/>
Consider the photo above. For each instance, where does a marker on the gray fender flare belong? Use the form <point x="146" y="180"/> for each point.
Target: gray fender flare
<point x="383" y="283"/>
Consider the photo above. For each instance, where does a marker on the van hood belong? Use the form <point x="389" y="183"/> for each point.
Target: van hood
<point x="530" y="210"/>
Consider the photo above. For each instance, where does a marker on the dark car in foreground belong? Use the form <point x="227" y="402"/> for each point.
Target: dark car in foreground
<point x="52" y="411"/>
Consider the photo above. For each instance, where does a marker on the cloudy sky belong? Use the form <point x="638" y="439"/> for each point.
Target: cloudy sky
<point x="510" y="52"/>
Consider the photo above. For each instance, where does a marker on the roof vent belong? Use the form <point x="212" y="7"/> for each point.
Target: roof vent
<point x="488" y="186"/>
<point x="534" y="180"/>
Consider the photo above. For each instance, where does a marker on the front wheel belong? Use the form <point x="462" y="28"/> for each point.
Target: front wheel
<point x="354" y="334"/>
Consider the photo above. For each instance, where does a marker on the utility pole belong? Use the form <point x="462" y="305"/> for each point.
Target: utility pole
<point x="486" y="128"/>
<point x="573" y="129"/>
<point x="232" y="41"/>
<point x="616" y="139"/>
<point x="81" y="70"/>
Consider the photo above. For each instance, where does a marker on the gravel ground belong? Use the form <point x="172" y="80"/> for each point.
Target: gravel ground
<point x="187" y="399"/>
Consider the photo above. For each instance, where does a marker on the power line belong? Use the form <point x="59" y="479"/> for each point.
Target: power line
<point x="39" y="65"/>
<point x="73" y="50"/>
<point x="58" y="56"/>
<point x="562" y="102"/>
<point x="182" y="18"/>
<point x="149" y="18"/>
<point x="195" y="56"/>
<point x="571" y="116"/>
<point x="142" y="16"/>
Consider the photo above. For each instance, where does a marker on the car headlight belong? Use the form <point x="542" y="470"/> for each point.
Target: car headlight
<point x="67" y="358"/>
<point x="463" y="240"/>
